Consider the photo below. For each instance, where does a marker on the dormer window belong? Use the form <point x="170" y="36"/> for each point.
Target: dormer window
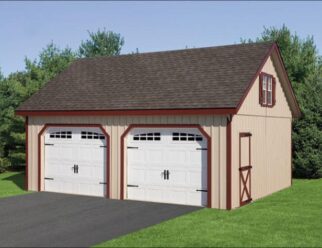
<point x="266" y="90"/>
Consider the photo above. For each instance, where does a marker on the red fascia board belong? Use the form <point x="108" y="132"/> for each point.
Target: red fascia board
<point x="216" y="111"/>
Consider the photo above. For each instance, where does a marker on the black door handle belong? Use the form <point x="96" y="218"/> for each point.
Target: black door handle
<point x="164" y="175"/>
<point x="167" y="174"/>
<point x="75" y="168"/>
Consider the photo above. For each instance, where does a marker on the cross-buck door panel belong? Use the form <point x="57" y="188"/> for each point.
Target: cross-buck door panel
<point x="167" y="165"/>
<point x="245" y="167"/>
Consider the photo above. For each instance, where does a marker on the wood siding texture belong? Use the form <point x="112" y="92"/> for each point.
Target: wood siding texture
<point x="251" y="104"/>
<point x="215" y="126"/>
<point x="270" y="142"/>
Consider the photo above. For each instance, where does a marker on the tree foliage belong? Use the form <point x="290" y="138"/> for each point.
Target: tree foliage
<point x="304" y="67"/>
<point x="101" y="43"/>
<point x="18" y="86"/>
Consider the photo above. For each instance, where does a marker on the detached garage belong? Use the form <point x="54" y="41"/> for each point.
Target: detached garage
<point x="206" y="127"/>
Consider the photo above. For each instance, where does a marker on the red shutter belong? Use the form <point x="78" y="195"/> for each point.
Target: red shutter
<point x="273" y="91"/>
<point x="261" y="89"/>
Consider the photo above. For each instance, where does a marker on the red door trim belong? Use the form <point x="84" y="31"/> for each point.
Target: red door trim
<point x="243" y="168"/>
<point x="26" y="153"/>
<point x="108" y="188"/>
<point x="131" y="126"/>
<point x="228" y="161"/>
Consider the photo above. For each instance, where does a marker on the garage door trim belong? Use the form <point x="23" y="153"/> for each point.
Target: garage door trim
<point x="204" y="133"/>
<point x="107" y="137"/>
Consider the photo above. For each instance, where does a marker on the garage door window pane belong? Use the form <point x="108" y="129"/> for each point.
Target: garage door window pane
<point x="61" y="135"/>
<point x="147" y="136"/>
<point x="92" y="135"/>
<point x="186" y="137"/>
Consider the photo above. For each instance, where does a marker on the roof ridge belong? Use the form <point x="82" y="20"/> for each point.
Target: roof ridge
<point x="176" y="50"/>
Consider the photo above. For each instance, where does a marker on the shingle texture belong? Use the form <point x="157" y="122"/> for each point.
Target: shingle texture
<point x="212" y="77"/>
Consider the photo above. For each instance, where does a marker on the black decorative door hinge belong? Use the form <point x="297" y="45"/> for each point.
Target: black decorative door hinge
<point x="201" y="190"/>
<point x="133" y="186"/>
<point x="132" y="147"/>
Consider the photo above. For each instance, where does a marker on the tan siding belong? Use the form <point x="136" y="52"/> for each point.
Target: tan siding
<point x="251" y="104"/>
<point x="271" y="139"/>
<point x="215" y="126"/>
<point x="271" y="154"/>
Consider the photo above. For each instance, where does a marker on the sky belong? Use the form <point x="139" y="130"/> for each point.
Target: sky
<point x="27" y="27"/>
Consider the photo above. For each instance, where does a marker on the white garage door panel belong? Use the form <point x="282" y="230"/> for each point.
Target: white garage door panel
<point x="85" y="148"/>
<point x="186" y="161"/>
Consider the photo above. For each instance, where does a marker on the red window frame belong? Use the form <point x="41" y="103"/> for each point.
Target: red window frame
<point x="263" y="92"/>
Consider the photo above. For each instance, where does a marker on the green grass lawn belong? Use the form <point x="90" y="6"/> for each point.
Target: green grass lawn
<point x="12" y="183"/>
<point x="292" y="217"/>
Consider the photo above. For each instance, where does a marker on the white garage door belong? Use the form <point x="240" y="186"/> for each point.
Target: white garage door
<point x="75" y="161"/>
<point x="167" y="165"/>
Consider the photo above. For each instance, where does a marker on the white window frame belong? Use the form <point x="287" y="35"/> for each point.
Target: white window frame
<point x="269" y="91"/>
<point x="264" y="90"/>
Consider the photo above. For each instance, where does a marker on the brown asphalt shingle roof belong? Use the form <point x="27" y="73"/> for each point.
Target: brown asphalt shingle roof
<point x="213" y="77"/>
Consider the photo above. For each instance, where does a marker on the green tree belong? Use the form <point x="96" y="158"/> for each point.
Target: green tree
<point x="101" y="43"/>
<point x="304" y="67"/>
<point x="16" y="88"/>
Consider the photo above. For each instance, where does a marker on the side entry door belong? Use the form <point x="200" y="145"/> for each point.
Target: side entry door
<point x="245" y="167"/>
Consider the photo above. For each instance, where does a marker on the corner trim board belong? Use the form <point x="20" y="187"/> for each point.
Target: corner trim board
<point x="228" y="165"/>
<point x="26" y="154"/>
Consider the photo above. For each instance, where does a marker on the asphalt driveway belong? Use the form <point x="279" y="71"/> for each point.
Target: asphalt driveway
<point x="50" y="219"/>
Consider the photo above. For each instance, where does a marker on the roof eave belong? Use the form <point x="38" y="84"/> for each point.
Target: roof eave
<point x="207" y="111"/>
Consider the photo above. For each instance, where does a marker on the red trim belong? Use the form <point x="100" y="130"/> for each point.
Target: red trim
<point x="209" y="184"/>
<point x="245" y="134"/>
<point x="247" y="168"/>
<point x="214" y="111"/>
<point x="274" y="91"/>
<point x="108" y="185"/>
<point x="261" y="89"/>
<point x="26" y="153"/>
<point x="228" y="166"/>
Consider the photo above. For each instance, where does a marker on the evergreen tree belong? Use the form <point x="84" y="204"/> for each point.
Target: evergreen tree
<point x="101" y="43"/>
<point x="304" y="67"/>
